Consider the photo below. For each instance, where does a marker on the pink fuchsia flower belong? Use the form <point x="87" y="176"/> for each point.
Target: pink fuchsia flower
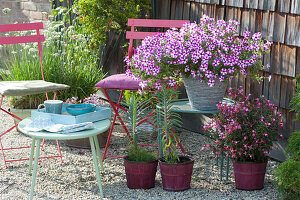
<point x="244" y="132"/>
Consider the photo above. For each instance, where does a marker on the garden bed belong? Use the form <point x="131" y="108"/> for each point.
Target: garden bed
<point x="75" y="178"/>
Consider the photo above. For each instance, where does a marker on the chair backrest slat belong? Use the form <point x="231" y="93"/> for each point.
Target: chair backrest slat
<point x="21" y="39"/>
<point x="139" y="35"/>
<point x="37" y="37"/>
<point x="157" y="23"/>
<point x="21" y="27"/>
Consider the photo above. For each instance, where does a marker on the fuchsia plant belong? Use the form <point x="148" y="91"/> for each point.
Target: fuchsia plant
<point x="246" y="129"/>
<point x="210" y="51"/>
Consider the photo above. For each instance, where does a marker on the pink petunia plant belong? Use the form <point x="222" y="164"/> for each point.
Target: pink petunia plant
<point x="244" y="130"/>
<point x="210" y="51"/>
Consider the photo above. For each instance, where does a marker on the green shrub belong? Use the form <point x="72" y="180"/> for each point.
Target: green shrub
<point x="100" y="16"/>
<point x="294" y="143"/>
<point x="288" y="173"/>
<point x="66" y="59"/>
<point x="295" y="102"/>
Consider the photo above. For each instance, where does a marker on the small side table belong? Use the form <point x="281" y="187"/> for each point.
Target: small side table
<point x="184" y="106"/>
<point x="100" y="127"/>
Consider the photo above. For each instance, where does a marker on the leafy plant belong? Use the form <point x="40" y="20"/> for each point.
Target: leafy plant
<point x="100" y="16"/>
<point x="140" y="155"/>
<point x="137" y="112"/>
<point x="66" y="59"/>
<point x="246" y="129"/>
<point x="166" y="122"/>
<point x="294" y="143"/>
<point x="295" y="102"/>
<point x="288" y="173"/>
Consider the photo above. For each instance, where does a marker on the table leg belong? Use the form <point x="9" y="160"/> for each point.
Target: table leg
<point x="159" y="137"/>
<point x="31" y="155"/>
<point x="36" y="158"/>
<point x="221" y="167"/>
<point x="98" y="152"/>
<point x="227" y="167"/>
<point x="96" y="165"/>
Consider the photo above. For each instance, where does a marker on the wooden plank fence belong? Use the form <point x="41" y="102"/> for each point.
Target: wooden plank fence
<point x="279" y="22"/>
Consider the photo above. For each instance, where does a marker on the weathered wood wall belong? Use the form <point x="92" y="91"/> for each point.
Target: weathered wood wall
<point x="279" y="22"/>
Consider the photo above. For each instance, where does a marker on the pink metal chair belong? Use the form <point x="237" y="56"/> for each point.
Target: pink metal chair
<point x="122" y="82"/>
<point x="21" y="88"/>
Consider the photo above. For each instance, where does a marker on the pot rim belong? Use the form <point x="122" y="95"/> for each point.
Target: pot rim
<point x="191" y="160"/>
<point x="249" y="162"/>
<point x="139" y="162"/>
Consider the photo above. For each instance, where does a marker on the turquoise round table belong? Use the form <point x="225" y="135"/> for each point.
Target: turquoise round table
<point x="100" y="127"/>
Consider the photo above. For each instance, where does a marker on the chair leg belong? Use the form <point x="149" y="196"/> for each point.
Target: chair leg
<point x="108" y="139"/>
<point x="59" y="151"/>
<point x="116" y="107"/>
<point x="42" y="145"/>
<point x="178" y="141"/>
<point x="5" y="166"/>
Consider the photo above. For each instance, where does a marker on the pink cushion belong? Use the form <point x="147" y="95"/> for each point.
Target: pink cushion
<point x="118" y="82"/>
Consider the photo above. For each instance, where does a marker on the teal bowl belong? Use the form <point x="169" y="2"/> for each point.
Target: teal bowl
<point x="79" y="109"/>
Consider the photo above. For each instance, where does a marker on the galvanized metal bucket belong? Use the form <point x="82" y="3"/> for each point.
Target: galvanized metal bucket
<point x="203" y="97"/>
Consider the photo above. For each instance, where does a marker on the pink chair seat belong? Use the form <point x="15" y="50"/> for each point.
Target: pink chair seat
<point x="118" y="82"/>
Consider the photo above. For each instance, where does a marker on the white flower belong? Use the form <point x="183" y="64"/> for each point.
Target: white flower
<point x="33" y="50"/>
<point x="6" y="10"/>
<point x="269" y="78"/>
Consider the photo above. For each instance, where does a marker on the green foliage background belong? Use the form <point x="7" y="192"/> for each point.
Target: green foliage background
<point x="67" y="59"/>
<point x="288" y="173"/>
<point x="100" y="16"/>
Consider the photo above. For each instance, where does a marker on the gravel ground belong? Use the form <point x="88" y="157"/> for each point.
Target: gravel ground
<point x="76" y="178"/>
